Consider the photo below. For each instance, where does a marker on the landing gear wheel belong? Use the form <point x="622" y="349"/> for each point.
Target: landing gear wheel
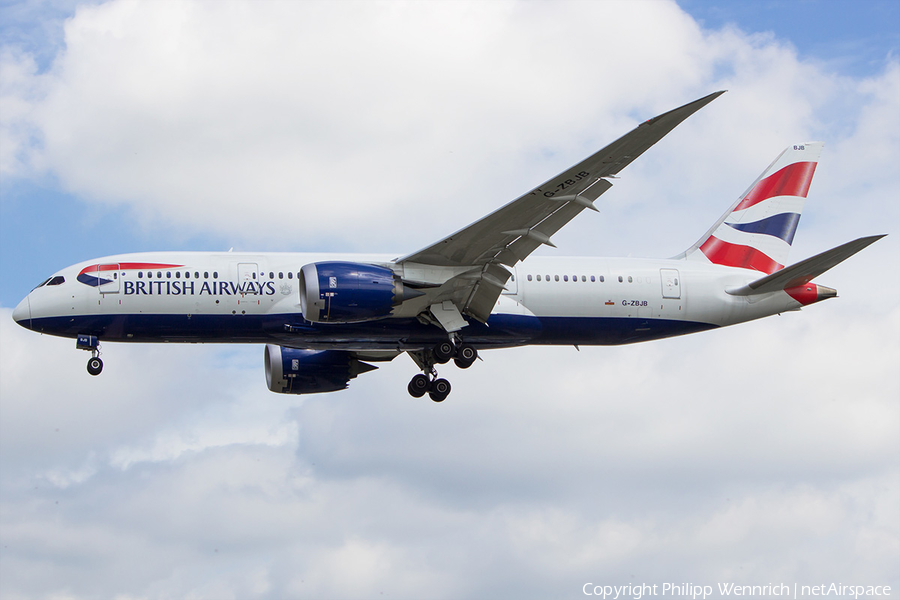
<point x="94" y="365"/>
<point x="443" y="352"/>
<point x="462" y="364"/>
<point x="465" y="356"/>
<point x="440" y="389"/>
<point x="418" y="386"/>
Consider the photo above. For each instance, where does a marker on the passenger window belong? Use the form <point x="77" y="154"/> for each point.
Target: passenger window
<point x="565" y="278"/>
<point x="529" y="278"/>
<point x="271" y="275"/>
<point x="620" y="279"/>
<point x="513" y="277"/>
<point x="280" y="274"/>
<point x="556" y="278"/>
<point x="630" y="280"/>
<point x="593" y="280"/>
<point x="205" y="274"/>
<point x="196" y="274"/>
<point x="583" y="278"/>
<point x="159" y="274"/>
<point x="602" y="279"/>
<point x="177" y="274"/>
<point x="538" y="277"/>
<point x="215" y="274"/>
<point x="140" y="274"/>
<point x="290" y="275"/>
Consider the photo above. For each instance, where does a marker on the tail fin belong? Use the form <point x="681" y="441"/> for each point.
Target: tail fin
<point x="758" y="229"/>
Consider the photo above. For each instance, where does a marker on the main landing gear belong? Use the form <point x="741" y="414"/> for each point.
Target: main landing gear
<point x="427" y="381"/>
<point x="92" y="345"/>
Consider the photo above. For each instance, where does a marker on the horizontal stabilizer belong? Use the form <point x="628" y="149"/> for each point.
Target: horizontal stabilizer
<point x="804" y="271"/>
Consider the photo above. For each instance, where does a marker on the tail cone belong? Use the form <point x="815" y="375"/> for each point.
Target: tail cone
<point x="824" y="293"/>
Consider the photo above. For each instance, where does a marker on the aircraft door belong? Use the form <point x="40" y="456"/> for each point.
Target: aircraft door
<point x="248" y="283"/>
<point x="247" y="272"/>
<point x="108" y="277"/>
<point x="671" y="283"/>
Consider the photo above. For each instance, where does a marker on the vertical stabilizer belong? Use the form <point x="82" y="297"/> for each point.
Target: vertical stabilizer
<point x="757" y="231"/>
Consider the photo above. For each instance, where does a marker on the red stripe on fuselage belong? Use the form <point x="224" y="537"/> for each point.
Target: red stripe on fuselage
<point x="793" y="180"/>
<point x="127" y="266"/>
<point x="735" y="255"/>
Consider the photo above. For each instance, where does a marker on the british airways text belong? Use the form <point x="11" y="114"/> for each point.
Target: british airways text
<point x="189" y="288"/>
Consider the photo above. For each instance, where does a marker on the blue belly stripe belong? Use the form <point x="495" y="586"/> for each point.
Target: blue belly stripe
<point x="501" y="331"/>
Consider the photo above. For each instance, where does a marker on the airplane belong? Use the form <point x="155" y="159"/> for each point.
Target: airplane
<point x="324" y="318"/>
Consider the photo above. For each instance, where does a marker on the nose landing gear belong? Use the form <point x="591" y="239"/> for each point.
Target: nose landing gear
<point x="427" y="381"/>
<point x="95" y="365"/>
<point x="92" y="345"/>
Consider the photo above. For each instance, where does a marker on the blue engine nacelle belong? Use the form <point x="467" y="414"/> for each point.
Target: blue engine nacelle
<point x="345" y="292"/>
<point x="293" y="371"/>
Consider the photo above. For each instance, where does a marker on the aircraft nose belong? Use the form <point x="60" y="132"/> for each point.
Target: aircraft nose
<point x="22" y="313"/>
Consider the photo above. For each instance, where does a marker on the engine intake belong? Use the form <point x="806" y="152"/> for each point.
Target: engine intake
<point x="345" y="292"/>
<point x="293" y="371"/>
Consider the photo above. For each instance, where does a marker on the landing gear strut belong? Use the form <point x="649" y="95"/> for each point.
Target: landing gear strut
<point x="427" y="381"/>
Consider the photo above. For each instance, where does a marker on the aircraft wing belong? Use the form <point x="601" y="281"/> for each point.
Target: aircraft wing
<point x="514" y="231"/>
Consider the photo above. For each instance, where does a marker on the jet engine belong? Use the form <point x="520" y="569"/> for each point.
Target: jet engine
<point x="345" y="292"/>
<point x="293" y="371"/>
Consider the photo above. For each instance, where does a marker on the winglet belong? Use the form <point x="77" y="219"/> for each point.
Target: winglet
<point x="683" y="112"/>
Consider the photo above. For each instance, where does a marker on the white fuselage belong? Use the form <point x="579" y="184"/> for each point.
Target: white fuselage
<point x="254" y="298"/>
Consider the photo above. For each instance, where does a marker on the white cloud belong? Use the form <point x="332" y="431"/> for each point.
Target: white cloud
<point x="197" y="114"/>
<point x="752" y="454"/>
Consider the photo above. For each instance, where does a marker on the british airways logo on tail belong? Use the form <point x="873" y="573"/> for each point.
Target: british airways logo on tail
<point x="760" y="229"/>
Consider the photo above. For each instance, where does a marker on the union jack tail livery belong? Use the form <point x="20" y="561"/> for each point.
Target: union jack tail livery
<point x="757" y="231"/>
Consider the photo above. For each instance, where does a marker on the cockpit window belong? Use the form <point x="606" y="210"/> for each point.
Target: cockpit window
<point x="51" y="281"/>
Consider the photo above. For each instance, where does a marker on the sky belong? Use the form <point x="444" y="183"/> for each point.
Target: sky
<point x="763" y="453"/>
